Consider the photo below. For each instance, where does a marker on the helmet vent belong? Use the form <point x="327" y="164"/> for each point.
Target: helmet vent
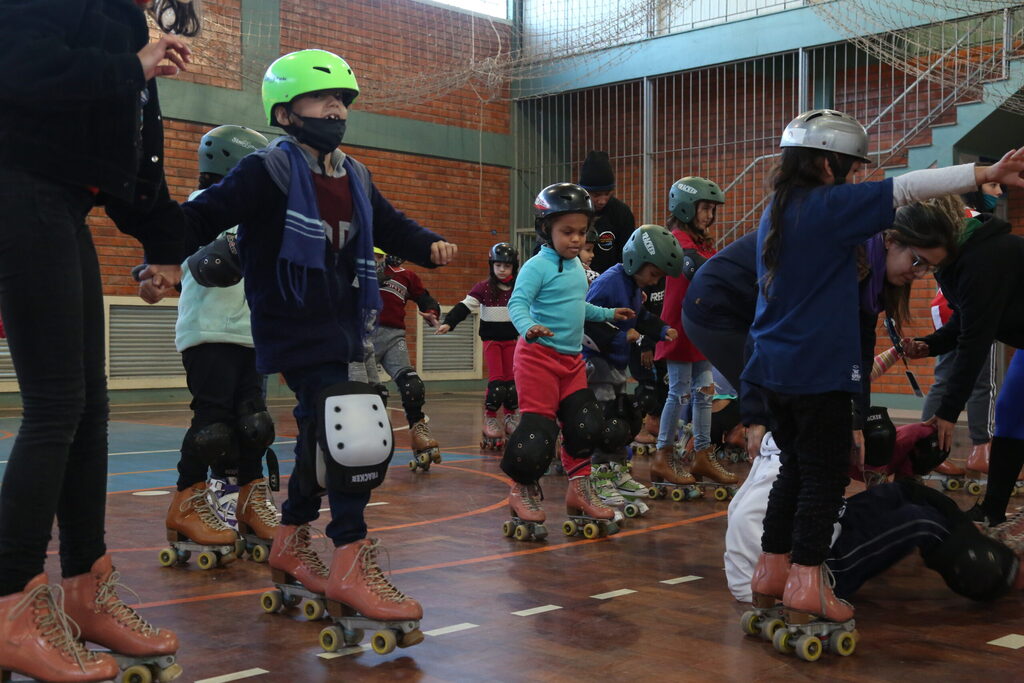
<point x="325" y="69"/>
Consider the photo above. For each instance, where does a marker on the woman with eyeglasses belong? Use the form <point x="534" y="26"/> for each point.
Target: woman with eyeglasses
<point x="984" y="285"/>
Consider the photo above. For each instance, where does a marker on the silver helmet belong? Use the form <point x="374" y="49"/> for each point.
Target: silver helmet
<point x="830" y="130"/>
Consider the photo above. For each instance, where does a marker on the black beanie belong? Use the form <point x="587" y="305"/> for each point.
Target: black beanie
<point x="596" y="174"/>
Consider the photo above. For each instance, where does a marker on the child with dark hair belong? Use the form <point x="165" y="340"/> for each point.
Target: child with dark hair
<point x="489" y="299"/>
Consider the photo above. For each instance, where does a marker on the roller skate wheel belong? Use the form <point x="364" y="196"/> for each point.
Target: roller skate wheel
<point x="770" y="627"/>
<point x="423" y="459"/>
<point x="611" y="528"/>
<point x="781" y="641"/>
<point x="693" y="494"/>
<point x="353" y="636"/>
<point x="384" y="642"/>
<point x="522" y="533"/>
<point x="331" y="638"/>
<point x="653" y="493"/>
<point x="631" y="510"/>
<point x="591" y="530"/>
<point x="677" y="495"/>
<point x="508" y="529"/>
<point x="721" y="494"/>
<point x="974" y="488"/>
<point x="412" y="465"/>
<point x="137" y="674"/>
<point x="168" y="557"/>
<point x="569" y="528"/>
<point x="413" y="637"/>
<point x="808" y="648"/>
<point x="312" y="609"/>
<point x="750" y="623"/>
<point x="169" y="673"/>
<point x="951" y="484"/>
<point x="843" y="644"/>
<point x="207" y="560"/>
<point x="272" y="602"/>
<point x="259" y="553"/>
<point x="540" y="532"/>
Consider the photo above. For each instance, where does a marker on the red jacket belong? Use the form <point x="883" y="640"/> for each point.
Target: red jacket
<point x="682" y="349"/>
<point x="398" y="286"/>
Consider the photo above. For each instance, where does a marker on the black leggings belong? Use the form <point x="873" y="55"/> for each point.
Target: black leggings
<point x="51" y="300"/>
<point x="814" y="433"/>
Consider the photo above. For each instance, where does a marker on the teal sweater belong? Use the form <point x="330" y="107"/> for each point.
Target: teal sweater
<point x="211" y="315"/>
<point x="552" y="291"/>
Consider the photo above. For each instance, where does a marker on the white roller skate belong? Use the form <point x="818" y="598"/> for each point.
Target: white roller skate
<point x="602" y="482"/>
<point x="493" y="438"/>
<point x="425" y="449"/>
<point x="224" y="496"/>
<point x="629" y="488"/>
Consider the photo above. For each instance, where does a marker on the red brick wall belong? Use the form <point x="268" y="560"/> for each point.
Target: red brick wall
<point x="465" y="202"/>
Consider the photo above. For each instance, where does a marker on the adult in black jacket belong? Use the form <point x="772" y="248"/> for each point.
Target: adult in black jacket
<point x="614" y="221"/>
<point x="79" y="126"/>
<point x="985" y="288"/>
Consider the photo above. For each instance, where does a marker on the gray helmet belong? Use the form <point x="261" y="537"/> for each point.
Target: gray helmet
<point x="829" y="130"/>
<point x="655" y="245"/>
<point x="686" y="192"/>
<point x="224" y="146"/>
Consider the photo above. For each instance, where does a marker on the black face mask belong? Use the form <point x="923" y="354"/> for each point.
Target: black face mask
<point x="323" y="135"/>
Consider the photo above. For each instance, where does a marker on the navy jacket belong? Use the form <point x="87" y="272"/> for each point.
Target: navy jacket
<point x="326" y="328"/>
<point x="616" y="289"/>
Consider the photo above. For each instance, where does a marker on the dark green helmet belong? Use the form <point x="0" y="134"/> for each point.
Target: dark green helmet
<point x="224" y="146"/>
<point x="686" y="192"/>
<point x="655" y="245"/>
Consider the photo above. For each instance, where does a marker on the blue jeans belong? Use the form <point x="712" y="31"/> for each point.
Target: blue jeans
<point x="685" y="381"/>
<point x="347" y="521"/>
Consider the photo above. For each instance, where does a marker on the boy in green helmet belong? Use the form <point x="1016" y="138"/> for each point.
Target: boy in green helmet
<point x="309" y="217"/>
<point x="649" y="254"/>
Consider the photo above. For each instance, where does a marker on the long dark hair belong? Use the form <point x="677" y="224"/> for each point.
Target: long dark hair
<point x="925" y="225"/>
<point x="799" y="168"/>
<point x="702" y="238"/>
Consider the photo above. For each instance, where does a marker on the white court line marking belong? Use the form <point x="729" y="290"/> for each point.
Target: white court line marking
<point x="152" y="493"/>
<point x="237" y="676"/>
<point x="346" y="651"/>
<point x="613" y="594"/>
<point x="536" y="610"/>
<point x="450" y="629"/>
<point x="1012" y="641"/>
<point x="367" y="505"/>
<point x="682" y="579"/>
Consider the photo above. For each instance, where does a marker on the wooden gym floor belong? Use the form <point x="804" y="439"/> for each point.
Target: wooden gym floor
<point x="647" y="604"/>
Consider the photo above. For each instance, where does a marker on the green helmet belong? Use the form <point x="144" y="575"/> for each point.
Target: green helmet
<point x="302" y="72"/>
<point x="221" y="148"/>
<point x="655" y="245"/>
<point x="686" y="192"/>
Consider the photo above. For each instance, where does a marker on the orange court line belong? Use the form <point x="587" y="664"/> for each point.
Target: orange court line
<point x="459" y="563"/>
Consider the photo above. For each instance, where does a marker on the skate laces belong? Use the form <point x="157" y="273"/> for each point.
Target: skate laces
<point x="589" y="493"/>
<point x="624" y="479"/>
<point x="421" y="429"/>
<point x="1010" y="532"/>
<point x="531" y="495"/>
<point x="56" y="627"/>
<point x="376" y="580"/>
<point x="300" y="544"/>
<point x="106" y="595"/>
<point x="260" y="497"/>
<point x="200" y="502"/>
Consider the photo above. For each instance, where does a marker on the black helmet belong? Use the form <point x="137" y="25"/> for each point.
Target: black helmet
<point x="502" y="252"/>
<point x="557" y="199"/>
<point x="393" y="260"/>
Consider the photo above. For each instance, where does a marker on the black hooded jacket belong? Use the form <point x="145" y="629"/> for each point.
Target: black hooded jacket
<point x="985" y="288"/>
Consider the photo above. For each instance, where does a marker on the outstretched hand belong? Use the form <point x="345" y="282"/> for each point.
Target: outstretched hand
<point x="171" y="48"/>
<point x="624" y="314"/>
<point x="943" y="430"/>
<point x="1007" y="171"/>
<point x="442" y="253"/>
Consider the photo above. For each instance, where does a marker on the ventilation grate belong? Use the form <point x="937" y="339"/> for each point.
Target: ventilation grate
<point x="142" y="342"/>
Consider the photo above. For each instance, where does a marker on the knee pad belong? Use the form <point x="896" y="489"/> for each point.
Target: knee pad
<point x="255" y="426"/>
<point x="974" y="565"/>
<point x="615" y="433"/>
<point x="530" y="448"/>
<point x="382" y="391"/>
<point x="216" y="445"/>
<point x="582" y="422"/>
<point x="354" y="438"/>
<point x="495" y="395"/>
<point x="879" y="437"/>
<point x="511" y="396"/>
<point x="646" y="399"/>
<point x="411" y="388"/>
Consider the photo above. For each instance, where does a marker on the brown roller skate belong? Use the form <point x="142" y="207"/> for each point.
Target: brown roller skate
<point x="257" y="518"/>
<point x="38" y="639"/>
<point x="298" y="572"/>
<point x="425" y="450"/>
<point x="669" y="477"/>
<point x="527" y="523"/>
<point x="588" y="515"/>
<point x="949" y="475"/>
<point x="767" y="588"/>
<point x="360" y="596"/>
<point x="194" y="526"/>
<point x="977" y="468"/>
<point x="710" y="474"/>
<point x="815" y="618"/>
<point x="140" y="649"/>
<point x="646" y="441"/>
